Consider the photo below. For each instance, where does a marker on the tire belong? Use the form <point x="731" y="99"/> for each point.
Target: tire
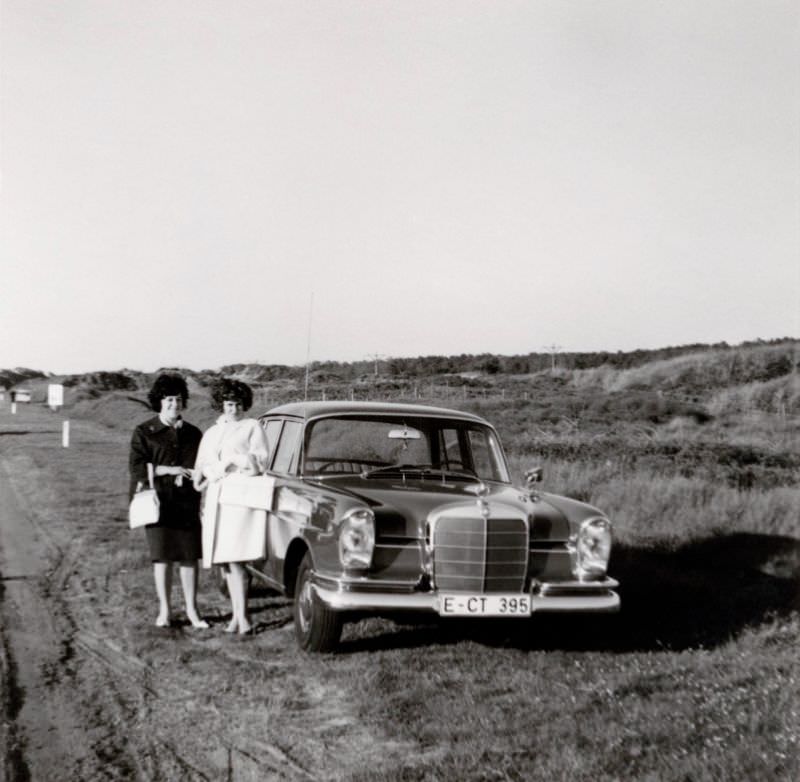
<point x="316" y="627"/>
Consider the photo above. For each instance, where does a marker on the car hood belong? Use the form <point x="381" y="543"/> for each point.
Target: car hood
<point x="402" y="508"/>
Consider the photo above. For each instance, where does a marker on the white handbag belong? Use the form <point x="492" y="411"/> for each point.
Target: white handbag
<point x="144" y="508"/>
<point x="247" y="491"/>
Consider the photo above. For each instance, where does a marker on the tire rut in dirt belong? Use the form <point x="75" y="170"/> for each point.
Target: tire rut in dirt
<point x="12" y="756"/>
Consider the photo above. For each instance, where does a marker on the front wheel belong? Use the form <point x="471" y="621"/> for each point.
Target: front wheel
<point x="316" y="627"/>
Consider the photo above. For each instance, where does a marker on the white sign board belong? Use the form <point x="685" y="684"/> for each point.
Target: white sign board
<point x="55" y="395"/>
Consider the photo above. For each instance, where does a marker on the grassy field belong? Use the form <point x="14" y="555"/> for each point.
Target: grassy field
<point x="698" y="678"/>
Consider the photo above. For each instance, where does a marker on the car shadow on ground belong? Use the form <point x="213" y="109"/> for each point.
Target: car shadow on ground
<point x="703" y="593"/>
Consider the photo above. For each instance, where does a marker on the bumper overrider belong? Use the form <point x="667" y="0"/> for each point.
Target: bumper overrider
<point x="563" y="596"/>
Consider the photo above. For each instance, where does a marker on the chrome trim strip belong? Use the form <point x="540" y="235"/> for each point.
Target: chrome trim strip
<point x="348" y="583"/>
<point x="576" y="586"/>
<point x="608" y="602"/>
<point x="354" y="601"/>
<point x="264" y="578"/>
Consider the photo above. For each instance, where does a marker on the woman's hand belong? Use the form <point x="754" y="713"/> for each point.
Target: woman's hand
<point x="245" y="464"/>
<point x="163" y="469"/>
<point x="199" y="482"/>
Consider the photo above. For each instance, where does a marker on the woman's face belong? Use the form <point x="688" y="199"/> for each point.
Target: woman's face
<point x="171" y="407"/>
<point x="232" y="410"/>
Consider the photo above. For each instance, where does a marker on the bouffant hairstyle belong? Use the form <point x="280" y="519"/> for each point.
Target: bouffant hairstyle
<point x="229" y="390"/>
<point x="167" y="385"/>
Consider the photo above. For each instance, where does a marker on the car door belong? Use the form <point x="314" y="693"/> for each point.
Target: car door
<point x="292" y="507"/>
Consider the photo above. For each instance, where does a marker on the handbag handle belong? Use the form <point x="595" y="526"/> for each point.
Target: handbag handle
<point x="150" y="472"/>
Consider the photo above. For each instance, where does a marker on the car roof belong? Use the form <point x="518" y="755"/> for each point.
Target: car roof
<point x="308" y="410"/>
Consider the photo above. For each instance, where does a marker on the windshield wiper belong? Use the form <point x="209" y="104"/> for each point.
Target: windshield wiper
<point x="390" y="468"/>
<point x="464" y="475"/>
<point x="422" y="469"/>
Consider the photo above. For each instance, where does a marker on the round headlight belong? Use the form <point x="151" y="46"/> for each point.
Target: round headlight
<point x="357" y="538"/>
<point x="594" y="548"/>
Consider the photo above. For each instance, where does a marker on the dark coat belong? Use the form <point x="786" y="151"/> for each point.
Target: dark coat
<point x="157" y="443"/>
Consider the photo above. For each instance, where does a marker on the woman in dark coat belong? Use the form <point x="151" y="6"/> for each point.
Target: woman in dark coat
<point x="170" y="444"/>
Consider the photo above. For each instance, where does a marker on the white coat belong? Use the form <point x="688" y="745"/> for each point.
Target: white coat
<point x="230" y="533"/>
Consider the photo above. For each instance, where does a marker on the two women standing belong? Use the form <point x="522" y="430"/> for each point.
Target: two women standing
<point x="186" y="463"/>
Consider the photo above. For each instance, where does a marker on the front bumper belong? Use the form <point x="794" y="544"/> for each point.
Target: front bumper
<point x="557" y="597"/>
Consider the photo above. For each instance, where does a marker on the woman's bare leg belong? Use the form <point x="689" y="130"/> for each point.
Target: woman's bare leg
<point x="162" y="572"/>
<point x="233" y="625"/>
<point x="188" y="571"/>
<point x="238" y="590"/>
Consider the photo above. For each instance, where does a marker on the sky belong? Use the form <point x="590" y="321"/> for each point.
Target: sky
<point x="194" y="184"/>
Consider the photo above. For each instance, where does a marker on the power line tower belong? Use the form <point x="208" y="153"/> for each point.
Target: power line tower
<point x="553" y="350"/>
<point x="376" y="357"/>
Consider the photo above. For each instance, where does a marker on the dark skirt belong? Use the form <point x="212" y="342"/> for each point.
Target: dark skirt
<point x="177" y="537"/>
<point x="174" y="544"/>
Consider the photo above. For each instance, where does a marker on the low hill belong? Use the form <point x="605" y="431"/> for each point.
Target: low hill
<point x="9" y="378"/>
<point x="697" y="382"/>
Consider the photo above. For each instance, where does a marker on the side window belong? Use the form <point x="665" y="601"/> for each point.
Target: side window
<point x="288" y="451"/>
<point x="480" y="454"/>
<point x="486" y="456"/>
<point x="450" y="450"/>
<point x="272" y="429"/>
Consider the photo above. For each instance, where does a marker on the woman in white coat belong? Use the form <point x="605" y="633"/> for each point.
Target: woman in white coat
<point x="232" y="535"/>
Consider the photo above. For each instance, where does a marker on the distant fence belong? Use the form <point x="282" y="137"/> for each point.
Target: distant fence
<point x="422" y="392"/>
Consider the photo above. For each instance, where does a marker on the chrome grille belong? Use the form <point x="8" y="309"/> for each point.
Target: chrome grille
<point x="480" y="555"/>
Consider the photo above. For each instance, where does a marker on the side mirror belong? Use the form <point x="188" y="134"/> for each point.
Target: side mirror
<point x="533" y="476"/>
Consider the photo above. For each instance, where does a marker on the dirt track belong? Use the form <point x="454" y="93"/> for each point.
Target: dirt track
<point x="92" y="691"/>
<point x="53" y="722"/>
<point x="76" y="704"/>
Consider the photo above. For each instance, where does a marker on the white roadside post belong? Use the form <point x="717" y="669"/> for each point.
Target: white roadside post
<point x="55" y="400"/>
<point x="55" y="396"/>
<point x="13" y="408"/>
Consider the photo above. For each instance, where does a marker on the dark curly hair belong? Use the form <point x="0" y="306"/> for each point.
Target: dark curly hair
<point x="227" y="389"/>
<point x="167" y="385"/>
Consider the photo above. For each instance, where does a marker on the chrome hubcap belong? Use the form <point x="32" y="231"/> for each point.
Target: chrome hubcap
<point x="304" y="605"/>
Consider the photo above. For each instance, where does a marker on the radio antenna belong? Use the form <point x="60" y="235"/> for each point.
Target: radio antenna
<point x="308" y="346"/>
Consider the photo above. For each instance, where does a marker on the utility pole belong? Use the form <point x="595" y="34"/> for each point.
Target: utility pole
<point x="376" y="357"/>
<point x="552" y="349"/>
<point x="308" y="346"/>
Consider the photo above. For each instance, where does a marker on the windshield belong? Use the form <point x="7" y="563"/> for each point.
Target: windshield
<point x="381" y="445"/>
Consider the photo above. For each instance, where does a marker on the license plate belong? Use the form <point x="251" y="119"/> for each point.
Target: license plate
<point x="484" y="605"/>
